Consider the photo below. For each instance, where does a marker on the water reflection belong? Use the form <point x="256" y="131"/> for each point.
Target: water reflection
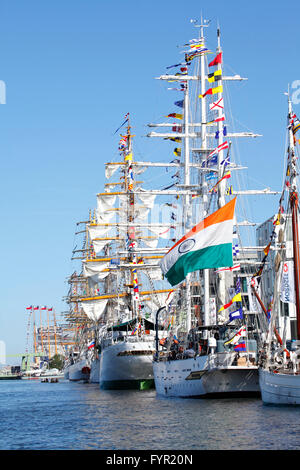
<point x="80" y="416"/>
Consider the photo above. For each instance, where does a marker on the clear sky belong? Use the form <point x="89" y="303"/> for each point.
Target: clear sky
<point x="72" y="70"/>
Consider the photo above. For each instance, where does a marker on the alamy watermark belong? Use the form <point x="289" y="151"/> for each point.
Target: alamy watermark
<point x="2" y="92"/>
<point x="2" y="352"/>
<point x="296" y="94"/>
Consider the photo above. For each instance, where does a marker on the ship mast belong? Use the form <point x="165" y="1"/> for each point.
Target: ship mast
<point x="205" y="185"/>
<point x="129" y="188"/>
<point x="222" y="185"/>
<point x="186" y="199"/>
<point x="294" y="200"/>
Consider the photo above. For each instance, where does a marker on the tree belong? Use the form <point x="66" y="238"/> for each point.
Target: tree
<point x="56" y="362"/>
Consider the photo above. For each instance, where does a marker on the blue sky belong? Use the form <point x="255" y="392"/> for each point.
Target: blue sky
<point x="72" y="70"/>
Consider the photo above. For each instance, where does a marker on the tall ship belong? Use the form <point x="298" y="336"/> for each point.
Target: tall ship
<point x="212" y="346"/>
<point x="279" y="372"/>
<point x="82" y="357"/>
<point x="120" y="286"/>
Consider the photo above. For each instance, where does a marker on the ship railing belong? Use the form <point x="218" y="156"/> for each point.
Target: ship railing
<point x="109" y="340"/>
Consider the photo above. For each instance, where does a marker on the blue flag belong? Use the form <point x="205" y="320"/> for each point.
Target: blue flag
<point x="237" y="314"/>
<point x="212" y="161"/>
<point x="179" y="103"/>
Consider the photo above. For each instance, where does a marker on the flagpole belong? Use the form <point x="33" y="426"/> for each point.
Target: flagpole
<point x="187" y="199"/>
<point x="54" y="323"/>
<point x="221" y="186"/>
<point x="48" y="334"/>
<point x="34" y="335"/>
<point x="205" y="185"/>
<point x="41" y="331"/>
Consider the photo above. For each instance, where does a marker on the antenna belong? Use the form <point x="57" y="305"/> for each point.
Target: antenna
<point x="203" y="24"/>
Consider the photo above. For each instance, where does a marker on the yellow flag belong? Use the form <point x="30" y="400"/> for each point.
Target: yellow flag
<point x="236" y="298"/>
<point x="218" y="89"/>
<point x="128" y="157"/>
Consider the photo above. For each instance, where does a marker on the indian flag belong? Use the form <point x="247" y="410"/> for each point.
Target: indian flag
<point x="207" y="245"/>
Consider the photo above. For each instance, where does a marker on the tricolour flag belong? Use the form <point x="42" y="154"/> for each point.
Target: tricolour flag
<point x="207" y="245"/>
<point x="240" y="346"/>
<point x="91" y="345"/>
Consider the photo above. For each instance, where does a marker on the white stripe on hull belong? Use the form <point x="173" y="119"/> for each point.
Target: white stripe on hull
<point x="278" y="388"/>
<point x="196" y="377"/>
<point x="117" y="365"/>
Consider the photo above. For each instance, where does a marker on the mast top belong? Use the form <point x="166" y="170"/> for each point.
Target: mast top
<point x="203" y="24"/>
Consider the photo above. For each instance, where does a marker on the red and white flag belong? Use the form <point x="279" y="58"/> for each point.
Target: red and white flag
<point x="218" y="119"/>
<point x="219" y="148"/>
<point x="221" y="118"/>
<point x="170" y="297"/>
<point x="217" y="105"/>
<point x="231" y="268"/>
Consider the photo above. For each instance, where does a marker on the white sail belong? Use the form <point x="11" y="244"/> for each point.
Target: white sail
<point x="104" y="204"/>
<point x="147" y="199"/>
<point x="110" y="170"/>
<point x="95" y="270"/>
<point x="99" y="245"/>
<point x="97" y="231"/>
<point x="151" y="242"/>
<point x="94" y="309"/>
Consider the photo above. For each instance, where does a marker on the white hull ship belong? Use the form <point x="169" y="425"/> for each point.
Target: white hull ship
<point x="95" y="371"/>
<point x="123" y="281"/>
<point x="279" y="374"/>
<point x="82" y="362"/>
<point x="206" y="376"/>
<point x="80" y="370"/>
<point x="218" y="344"/>
<point x="279" y="387"/>
<point x="127" y="363"/>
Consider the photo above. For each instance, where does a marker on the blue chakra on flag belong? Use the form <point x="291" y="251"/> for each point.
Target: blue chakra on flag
<point x="186" y="245"/>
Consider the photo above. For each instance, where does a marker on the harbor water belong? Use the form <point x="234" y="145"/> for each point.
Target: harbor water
<point x="79" y="416"/>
